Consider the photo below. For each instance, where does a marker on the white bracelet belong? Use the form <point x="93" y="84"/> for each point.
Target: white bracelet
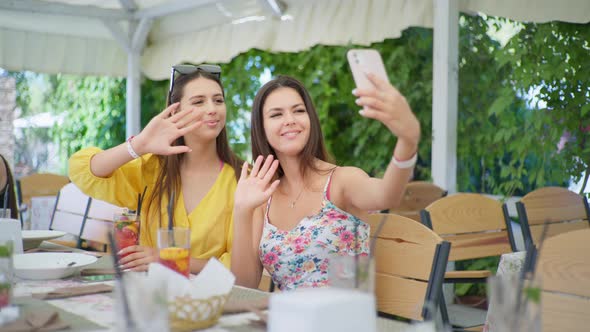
<point x="130" y="148"/>
<point x="406" y="163"/>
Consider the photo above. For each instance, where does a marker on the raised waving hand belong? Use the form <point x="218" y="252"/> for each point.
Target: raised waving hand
<point x="256" y="187"/>
<point x="159" y="134"/>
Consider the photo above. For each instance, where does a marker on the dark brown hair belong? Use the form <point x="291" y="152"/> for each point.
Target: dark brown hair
<point x="315" y="147"/>
<point x="9" y="190"/>
<point x="168" y="180"/>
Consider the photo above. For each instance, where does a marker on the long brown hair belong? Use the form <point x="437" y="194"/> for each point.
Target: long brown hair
<point x="8" y="189"/>
<point x="168" y="180"/>
<point x="315" y="147"/>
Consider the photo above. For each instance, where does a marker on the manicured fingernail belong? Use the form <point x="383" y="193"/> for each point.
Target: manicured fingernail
<point x="354" y="92"/>
<point x="362" y="112"/>
<point x="357" y="101"/>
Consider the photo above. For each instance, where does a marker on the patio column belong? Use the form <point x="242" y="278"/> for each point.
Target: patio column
<point x="133" y="100"/>
<point x="133" y="42"/>
<point x="445" y="94"/>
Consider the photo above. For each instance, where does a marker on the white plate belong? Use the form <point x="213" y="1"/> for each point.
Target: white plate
<point x="49" y="265"/>
<point x="32" y="239"/>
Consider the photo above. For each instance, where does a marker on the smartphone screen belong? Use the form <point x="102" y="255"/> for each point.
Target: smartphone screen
<point x="363" y="61"/>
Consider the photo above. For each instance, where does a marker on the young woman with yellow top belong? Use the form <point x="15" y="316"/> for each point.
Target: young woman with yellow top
<point x="183" y="150"/>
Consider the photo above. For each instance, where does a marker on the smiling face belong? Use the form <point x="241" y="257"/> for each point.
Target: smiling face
<point x="205" y="95"/>
<point x="286" y="121"/>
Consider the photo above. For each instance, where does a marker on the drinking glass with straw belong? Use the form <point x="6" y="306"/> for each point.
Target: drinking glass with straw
<point x="141" y="303"/>
<point x="129" y="321"/>
<point x="126" y="225"/>
<point x="174" y="244"/>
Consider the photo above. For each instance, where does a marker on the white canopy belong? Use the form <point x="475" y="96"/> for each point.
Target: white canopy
<point x="76" y="36"/>
<point x="124" y="37"/>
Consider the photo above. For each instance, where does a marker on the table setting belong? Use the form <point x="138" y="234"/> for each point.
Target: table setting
<point x="94" y="306"/>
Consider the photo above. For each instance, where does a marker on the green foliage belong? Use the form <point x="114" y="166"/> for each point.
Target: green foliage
<point x="487" y="263"/>
<point x="351" y="139"/>
<point x="94" y="111"/>
<point x="553" y="59"/>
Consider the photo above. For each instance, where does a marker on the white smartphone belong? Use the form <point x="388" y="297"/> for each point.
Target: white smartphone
<point x="364" y="61"/>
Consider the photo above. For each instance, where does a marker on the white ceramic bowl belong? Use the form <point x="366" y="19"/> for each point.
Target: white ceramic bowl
<point x="49" y="265"/>
<point x="33" y="238"/>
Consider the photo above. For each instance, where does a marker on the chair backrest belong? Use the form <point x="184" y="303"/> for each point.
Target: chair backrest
<point x="477" y="226"/>
<point x="39" y="184"/>
<point x="564" y="267"/>
<point x="417" y="196"/>
<point x="71" y="209"/>
<point x="410" y="265"/>
<point x="563" y="209"/>
<point x="99" y="221"/>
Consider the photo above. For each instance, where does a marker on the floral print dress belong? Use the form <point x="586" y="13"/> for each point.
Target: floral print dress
<point x="300" y="257"/>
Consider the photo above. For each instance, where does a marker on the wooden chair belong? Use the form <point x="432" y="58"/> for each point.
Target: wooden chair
<point x="476" y="226"/>
<point x="98" y="223"/>
<point x="563" y="209"/>
<point x="266" y="283"/>
<point x="38" y="184"/>
<point x="70" y="212"/>
<point x="564" y="267"/>
<point x="410" y="264"/>
<point x="417" y="196"/>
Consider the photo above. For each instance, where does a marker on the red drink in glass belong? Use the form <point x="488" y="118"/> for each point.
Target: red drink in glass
<point x="126" y="230"/>
<point x="174" y="249"/>
<point x="176" y="259"/>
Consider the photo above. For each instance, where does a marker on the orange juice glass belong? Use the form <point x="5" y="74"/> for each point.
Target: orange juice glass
<point x="174" y="249"/>
<point x="126" y="229"/>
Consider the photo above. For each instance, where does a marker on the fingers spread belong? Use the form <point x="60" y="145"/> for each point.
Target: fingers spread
<point x="270" y="190"/>
<point x="271" y="171"/>
<point x="178" y="149"/>
<point x="189" y="128"/>
<point x="169" y="110"/>
<point x="244" y="170"/>
<point x="256" y="167"/>
<point x="177" y="116"/>
<point x="265" y="166"/>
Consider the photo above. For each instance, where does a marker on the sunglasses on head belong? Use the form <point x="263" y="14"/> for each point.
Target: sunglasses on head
<point x="214" y="70"/>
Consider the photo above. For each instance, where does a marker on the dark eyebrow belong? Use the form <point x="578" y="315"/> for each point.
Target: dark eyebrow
<point x="203" y="96"/>
<point x="280" y="109"/>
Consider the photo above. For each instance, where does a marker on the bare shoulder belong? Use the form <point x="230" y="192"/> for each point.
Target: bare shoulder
<point x="350" y="173"/>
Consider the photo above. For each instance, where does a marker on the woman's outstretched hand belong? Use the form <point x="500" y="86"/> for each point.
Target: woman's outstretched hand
<point x="161" y="132"/>
<point x="386" y="104"/>
<point x="255" y="188"/>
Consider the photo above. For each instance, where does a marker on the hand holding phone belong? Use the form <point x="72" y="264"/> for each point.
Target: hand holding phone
<point x="364" y="61"/>
<point x="381" y="100"/>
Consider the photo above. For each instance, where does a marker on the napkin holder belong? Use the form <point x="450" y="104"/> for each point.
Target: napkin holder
<point x="322" y="309"/>
<point x="198" y="303"/>
<point x="189" y="314"/>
